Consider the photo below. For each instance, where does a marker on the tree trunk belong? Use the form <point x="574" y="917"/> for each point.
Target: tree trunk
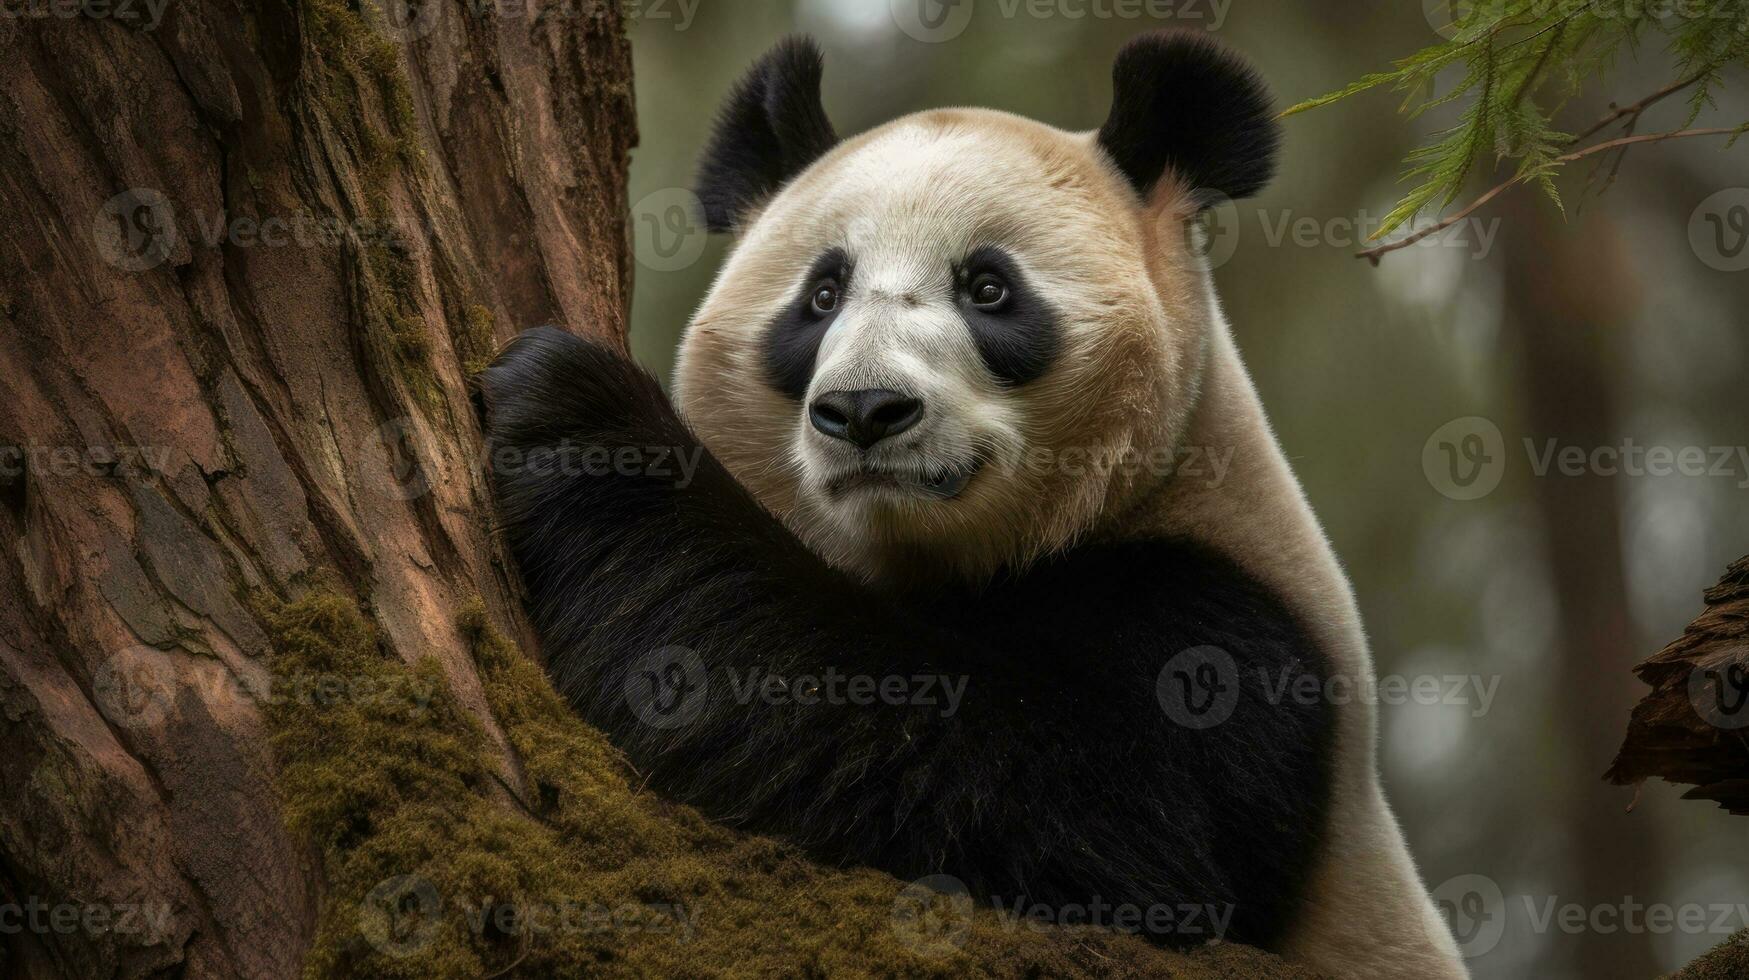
<point x="1689" y="727"/>
<point x="1565" y="323"/>
<point x="251" y="254"/>
<point x="208" y="390"/>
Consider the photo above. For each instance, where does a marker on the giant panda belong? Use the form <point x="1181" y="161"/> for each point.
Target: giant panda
<point x="933" y="423"/>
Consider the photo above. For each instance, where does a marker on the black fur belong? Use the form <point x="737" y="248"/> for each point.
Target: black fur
<point x="793" y="338"/>
<point x="1180" y="99"/>
<point x="771" y="127"/>
<point x="1060" y="780"/>
<point x="1018" y="341"/>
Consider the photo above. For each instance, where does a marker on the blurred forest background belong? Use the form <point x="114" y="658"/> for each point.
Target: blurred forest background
<point x="1623" y="320"/>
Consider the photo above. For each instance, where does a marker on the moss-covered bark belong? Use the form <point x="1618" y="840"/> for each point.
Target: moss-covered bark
<point x="250" y="253"/>
<point x="431" y="874"/>
<point x="261" y="662"/>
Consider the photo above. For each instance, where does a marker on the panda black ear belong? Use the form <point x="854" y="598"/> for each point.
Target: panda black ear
<point x="771" y="127"/>
<point x="1182" y="100"/>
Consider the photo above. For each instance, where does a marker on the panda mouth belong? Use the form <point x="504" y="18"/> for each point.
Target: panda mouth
<point x="935" y="482"/>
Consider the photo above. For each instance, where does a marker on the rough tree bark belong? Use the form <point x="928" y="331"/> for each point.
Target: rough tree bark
<point x="232" y="438"/>
<point x="200" y="411"/>
<point x="1690" y="728"/>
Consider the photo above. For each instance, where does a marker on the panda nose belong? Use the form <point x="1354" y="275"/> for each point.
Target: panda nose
<point x="864" y="417"/>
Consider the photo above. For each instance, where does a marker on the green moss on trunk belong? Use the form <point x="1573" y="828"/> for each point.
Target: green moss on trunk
<point x="432" y="870"/>
<point x="358" y="87"/>
<point x="478" y="340"/>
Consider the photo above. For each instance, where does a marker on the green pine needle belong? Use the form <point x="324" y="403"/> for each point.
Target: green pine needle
<point x="1523" y="60"/>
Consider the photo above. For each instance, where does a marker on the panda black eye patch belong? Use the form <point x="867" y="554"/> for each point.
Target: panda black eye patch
<point x="1016" y="332"/>
<point x="793" y="338"/>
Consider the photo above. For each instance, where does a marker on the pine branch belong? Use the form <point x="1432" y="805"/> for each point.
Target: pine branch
<point x="1374" y="254"/>
<point x="1638" y="108"/>
<point x="1524" y="60"/>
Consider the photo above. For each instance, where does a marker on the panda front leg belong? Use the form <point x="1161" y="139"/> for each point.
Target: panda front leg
<point x="667" y="598"/>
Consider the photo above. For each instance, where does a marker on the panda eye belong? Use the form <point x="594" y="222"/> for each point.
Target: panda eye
<point x="989" y="292"/>
<point x="825" y="298"/>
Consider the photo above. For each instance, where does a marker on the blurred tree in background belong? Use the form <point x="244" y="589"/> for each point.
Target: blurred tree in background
<point x="1530" y="601"/>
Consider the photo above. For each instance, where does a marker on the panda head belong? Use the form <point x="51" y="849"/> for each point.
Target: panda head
<point x="955" y="343"/>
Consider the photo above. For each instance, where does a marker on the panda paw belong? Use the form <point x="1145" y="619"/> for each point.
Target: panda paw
<point x="549" y="387"/>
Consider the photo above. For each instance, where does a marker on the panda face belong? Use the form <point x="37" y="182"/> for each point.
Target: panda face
<point x="919" y="363"/>
<point x="939" y="347"/>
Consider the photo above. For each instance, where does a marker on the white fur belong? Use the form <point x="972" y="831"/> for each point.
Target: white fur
<point x="1147" y="365"/>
